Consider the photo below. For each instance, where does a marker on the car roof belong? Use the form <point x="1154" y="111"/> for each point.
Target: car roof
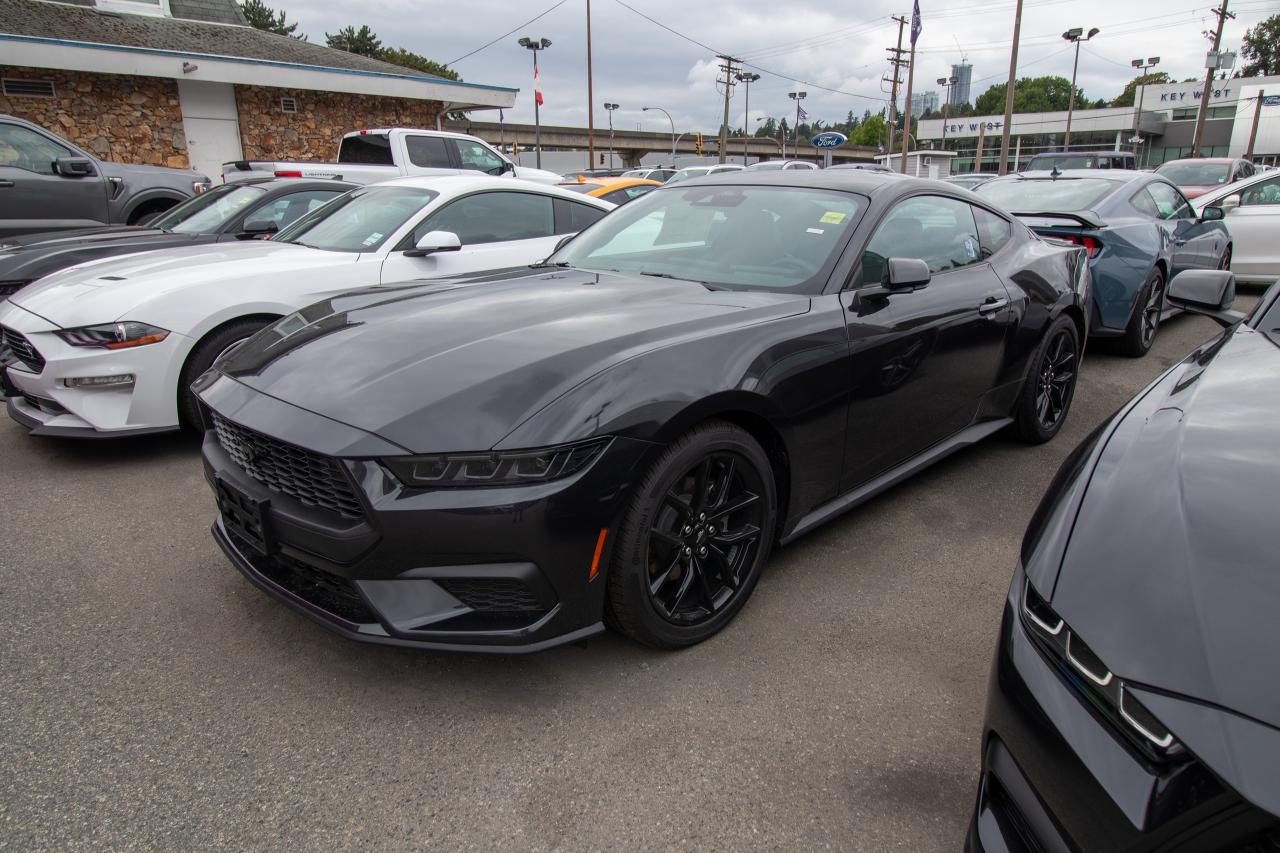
<point x="1216" y="161"/>
<point x="863" y="181"/>
<point x="455" y="185"/>
<point x="1118" y="176"/>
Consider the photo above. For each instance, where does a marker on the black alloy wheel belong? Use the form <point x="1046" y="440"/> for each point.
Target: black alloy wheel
<point x="1145" y="322"/>
<point x="695" y="538"/>
<point x="1045" y="400"/>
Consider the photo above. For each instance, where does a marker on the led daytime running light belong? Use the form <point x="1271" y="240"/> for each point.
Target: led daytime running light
<point x="500" y="468"/>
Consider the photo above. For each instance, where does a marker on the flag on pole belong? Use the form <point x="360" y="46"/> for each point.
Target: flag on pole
<point x="915" y="23"/>
<point x="537" y="87"/>
<point x="804" y="116"/>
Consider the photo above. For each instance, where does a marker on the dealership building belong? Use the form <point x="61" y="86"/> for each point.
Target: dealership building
<point x="1164" y="129"/>
<point x="189" y="83"/>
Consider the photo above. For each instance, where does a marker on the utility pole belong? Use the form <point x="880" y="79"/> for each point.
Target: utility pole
<point x="896" y="62"/>
<point x="1222" y="14"/>
<point x="746" y="78"/>
<point x="726" y="65"/>
<point x="911" y="74"/>
<point x="609" y="108"/>
<point x="1008" y="94"/>
<point x="591" y="112"/>
<point x="1253" y="132"/>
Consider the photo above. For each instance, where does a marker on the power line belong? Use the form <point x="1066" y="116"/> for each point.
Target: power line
<point x="513" y="32"/>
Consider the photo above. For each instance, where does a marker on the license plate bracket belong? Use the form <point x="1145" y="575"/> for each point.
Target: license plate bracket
<point x="245" y="517"/>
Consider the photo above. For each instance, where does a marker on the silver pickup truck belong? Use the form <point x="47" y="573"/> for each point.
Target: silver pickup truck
<point x="369" y="156"/>
<point x="48" y="184"/>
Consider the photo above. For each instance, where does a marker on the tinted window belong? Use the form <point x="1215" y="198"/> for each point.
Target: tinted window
<point x="626" y="194"/>
<point x="360" y="221"/>
<point x="371" y="149"/>
<point x="1145" y="204"/>
<point x="939" y="231"/>
<point x="473" y="155"/>
<point x="428" y="151"/>
<point x="1196" y="174"/>
<point x="493" y="218"/>
<point x="25" y="149"/>
<point x="1263" y="192"/>
<point x="1046" y="195"/>
<point x="993" y="231"/>
<point x="209" y="211"/>
<point x="574" y="217"/>
<point x="1169" y="202"/>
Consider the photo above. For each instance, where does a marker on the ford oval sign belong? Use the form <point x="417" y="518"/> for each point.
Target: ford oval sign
<point x="830" y="139"/>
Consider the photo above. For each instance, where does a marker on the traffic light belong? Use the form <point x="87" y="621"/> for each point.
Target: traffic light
<point x="697" y="144"/>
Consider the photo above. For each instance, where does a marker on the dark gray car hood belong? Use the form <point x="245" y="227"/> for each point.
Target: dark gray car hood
<point x="457" y="366"/>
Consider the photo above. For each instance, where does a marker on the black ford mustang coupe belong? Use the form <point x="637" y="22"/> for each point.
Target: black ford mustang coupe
<point x="1134" y="703"/>
<point x="621" y="434"/>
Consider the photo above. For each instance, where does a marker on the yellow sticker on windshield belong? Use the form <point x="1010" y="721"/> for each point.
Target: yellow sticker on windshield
<point x="832" y="218"/>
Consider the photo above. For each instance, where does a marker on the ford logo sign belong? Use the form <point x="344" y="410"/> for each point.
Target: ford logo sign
<point x="830" y="139"/>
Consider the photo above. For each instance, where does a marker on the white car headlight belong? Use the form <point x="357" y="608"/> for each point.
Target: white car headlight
<point x="114" y="335"/>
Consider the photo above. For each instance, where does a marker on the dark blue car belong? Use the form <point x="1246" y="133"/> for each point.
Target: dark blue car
<point x="1139" y="230"/>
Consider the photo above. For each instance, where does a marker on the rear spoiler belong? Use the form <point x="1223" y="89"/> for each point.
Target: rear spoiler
<point x="1049" y="219"/>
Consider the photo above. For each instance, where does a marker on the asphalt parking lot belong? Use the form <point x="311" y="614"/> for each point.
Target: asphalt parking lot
<point x="151" y="698"/>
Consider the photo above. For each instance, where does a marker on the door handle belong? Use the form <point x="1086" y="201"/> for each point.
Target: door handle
<point x="5" y="183"/>
<point x="992" y="304"/>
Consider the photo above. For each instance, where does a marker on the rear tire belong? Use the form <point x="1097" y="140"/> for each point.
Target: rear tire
<point x="212" y="347"/>
<point x="695" y="538"/>
<point x="1050" y="386"/>
<point x="1140" y="334"/>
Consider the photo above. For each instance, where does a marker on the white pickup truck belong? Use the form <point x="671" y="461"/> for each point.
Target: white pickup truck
<point x="370" y="156"/>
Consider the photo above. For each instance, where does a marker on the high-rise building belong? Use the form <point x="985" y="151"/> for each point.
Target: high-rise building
<point x="923" y="102"/>
<point x="960" y="89"/>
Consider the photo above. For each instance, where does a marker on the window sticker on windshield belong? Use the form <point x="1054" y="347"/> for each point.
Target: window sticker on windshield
<point x="372" y="238"/>
<point x="815" y="231"/>
<point x="831" y="217"/>
<point x="970" y="249"/>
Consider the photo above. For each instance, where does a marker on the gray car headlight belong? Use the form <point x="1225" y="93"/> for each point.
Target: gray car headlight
<point x="496" y="468"/>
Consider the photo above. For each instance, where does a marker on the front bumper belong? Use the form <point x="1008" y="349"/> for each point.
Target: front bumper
<point x="1057" y="776"/>
<point x="498" y="570"/>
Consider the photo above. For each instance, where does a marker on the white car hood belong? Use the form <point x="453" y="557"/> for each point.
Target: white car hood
<point x="107" y="290"/>
<point x="541" y="176"/>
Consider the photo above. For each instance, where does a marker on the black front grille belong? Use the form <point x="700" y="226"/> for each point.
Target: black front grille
<point x="23" y="350"/>
<point x="501" y="595"/>
<point x="330" y="593"/>
<point x="313" y="479"/>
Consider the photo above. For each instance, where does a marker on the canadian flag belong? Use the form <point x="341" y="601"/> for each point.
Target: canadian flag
<point x="537" y="87"/>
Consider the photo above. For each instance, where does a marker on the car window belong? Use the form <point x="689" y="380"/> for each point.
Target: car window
<point x="371" y="149"/>
<point x="1263" y="192"/>
<point x="1169" y="202"/>
<point x="1145" y="204"/>
<point x="210" y="210"/>
<point x="473" y="155"/>
<point x="939" y="231"/>
<point x="495" y="217"/>
<point x="360" y="221"/>
<point x="25" y="149"/>
<point x="430" y="152"/>
<point x="993" y="231"/>
<point x="285" y="209"/>
<point x="1046" y="195"/>
<point x="573" y="216"/>
<point x="1196" y="174"/>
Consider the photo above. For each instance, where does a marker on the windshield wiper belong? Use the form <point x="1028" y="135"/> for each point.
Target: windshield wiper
<point x="543" y="265"/>
<point x="707" y="285"/>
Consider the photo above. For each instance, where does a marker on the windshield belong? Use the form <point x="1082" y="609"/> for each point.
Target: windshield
<point x="734" y="237"/>
<point x="1070" y="161"/>
<point x="359" y="221"/>
<point x="1195" y="174"/>
<point x="209" y="211"/>
<point x="1046" y="195"/>
<point x="767" y="166"/>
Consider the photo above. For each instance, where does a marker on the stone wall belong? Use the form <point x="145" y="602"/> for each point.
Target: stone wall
<point x="312" y="133"/>
<point x="113" y="116"/>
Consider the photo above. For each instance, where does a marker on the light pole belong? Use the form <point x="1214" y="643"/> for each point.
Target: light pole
<point x="673" y="130"/>
<point x="945" y="83"/>
<point x="1143" y="68"/>
<point x="1075" y="34"/>
<point x="536" y="45"/>
<point x="797" y="97"/>
<point x="747" y="78"/>
<point x="609" y="108"/>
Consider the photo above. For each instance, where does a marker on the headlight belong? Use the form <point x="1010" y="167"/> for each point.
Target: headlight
<point x="114" y="335"/>
<point x="501" y="468"/>
<point x="1099" y="685"/>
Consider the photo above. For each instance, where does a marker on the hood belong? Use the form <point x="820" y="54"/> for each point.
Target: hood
<point x="40" y="258"/>
<point x="457" y="368"/>
<point x="124" y="170"/>
<point x="1172" y="573"/>
<point x="107" y="289"/>
<point x="48" y="238"/>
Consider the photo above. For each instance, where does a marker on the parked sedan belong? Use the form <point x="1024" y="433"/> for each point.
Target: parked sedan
<point x="970" y="180"/>
<point x="1252" y="214"/>
<point x="1139" y="230"/>
<point x="774" y="165"/>
<point x="626" y="433"/>
<point x="1199" y="175"/>
<point x="614" y="190"/>
<point x="702" y="172"/>
<point x="241" y="211"/>
<point x="111" y="347"/>
<point x="1134" y="703"/>
<point x="661" y="174"/>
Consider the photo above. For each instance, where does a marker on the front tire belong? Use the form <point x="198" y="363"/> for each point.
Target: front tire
<point x="694" y="539"/>
<point x="213" y="346"/>
<point x="1050" y="385"/>
<point x="1140" y="334"/>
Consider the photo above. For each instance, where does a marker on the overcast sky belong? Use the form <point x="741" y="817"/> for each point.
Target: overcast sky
<point x="839" y="45"/>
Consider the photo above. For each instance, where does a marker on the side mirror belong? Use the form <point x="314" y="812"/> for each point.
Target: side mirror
<point x="1212" y="214"/>
<point x="258" y="228"/>
<point x="74" y="167"/>
<point x="434" y="241"/>
<point x="508" y="166"/>
<point x="907" y="273"/>
<point x="1231" y="202"/>
<point x="1207" y="292"/>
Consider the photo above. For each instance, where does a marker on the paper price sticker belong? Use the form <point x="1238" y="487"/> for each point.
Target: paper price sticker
<point x="831" y="217"/>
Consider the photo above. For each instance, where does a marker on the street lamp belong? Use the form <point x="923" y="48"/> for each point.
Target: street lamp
<point x="747" y="78"/>
<point x="673" y="130"/>
<point x="1075" y="34"/>
<point x="797" y="97"/>
<point x="1143" y="67"/>
<point x="536" y="45"/>
<point x="946" y="83"/>
<point x="609" y="108"/>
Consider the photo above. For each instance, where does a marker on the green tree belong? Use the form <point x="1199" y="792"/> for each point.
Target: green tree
<point x="1130" y="92"/>
<point x="263" y="17"/>
<point x="361" y="41"/>
<point x="1261" y="48"/>
<point x="870" y="131"/>
<point x="1030" y="95"/>
<point x="409" y="59"/>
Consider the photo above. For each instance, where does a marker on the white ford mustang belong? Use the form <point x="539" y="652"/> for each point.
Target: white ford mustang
<point x="110" y="347"/>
